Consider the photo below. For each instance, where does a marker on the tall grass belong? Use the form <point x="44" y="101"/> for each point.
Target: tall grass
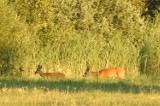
<point x="62" y="36"/>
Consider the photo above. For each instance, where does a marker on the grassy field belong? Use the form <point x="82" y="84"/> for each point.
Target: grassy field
<point x="140" y="91"/>
<point x="63" y="36"/>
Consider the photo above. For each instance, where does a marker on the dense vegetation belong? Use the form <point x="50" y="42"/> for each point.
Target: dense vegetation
<point x="64" y="34"/>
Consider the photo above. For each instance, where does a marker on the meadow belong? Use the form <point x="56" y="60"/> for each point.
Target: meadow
<point x="141" y="91"/>
<point x="63" y="35"/>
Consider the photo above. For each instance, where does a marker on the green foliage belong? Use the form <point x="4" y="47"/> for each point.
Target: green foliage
<point x="152" y="9"/>
<point x="67" y="33"/>
<point x="14" y="39"/>
<point x="149" y="62"/>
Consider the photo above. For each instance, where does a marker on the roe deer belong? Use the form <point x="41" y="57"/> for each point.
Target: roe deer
<point x="105" y="73"/>
<point x="51" y="75"/>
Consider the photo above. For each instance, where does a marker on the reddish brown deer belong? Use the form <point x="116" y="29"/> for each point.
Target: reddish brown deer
<point x="106" y="73"/>
<point x="49" y="75"/>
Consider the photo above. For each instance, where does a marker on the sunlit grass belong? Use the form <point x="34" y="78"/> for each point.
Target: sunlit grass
<point x="38" y="97"/>
<point x="79" y="92"/>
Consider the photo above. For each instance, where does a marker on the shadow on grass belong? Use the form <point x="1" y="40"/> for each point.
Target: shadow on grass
<point x="78" y="85"/>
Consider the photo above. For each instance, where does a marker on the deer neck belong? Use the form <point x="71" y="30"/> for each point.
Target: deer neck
<point x="41" y="73"/>
<point x="95" y="74"/>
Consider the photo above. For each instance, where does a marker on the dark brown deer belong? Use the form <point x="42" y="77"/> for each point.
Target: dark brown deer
<point x="49" y="75"/>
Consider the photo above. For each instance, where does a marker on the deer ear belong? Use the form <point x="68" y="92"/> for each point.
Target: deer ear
<point x="88" y="68"/>
<point x="41" y="66"/>
<point x="87" y="63"/>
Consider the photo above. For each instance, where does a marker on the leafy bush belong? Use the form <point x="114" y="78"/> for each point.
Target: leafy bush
<point x="67" y="33"/>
